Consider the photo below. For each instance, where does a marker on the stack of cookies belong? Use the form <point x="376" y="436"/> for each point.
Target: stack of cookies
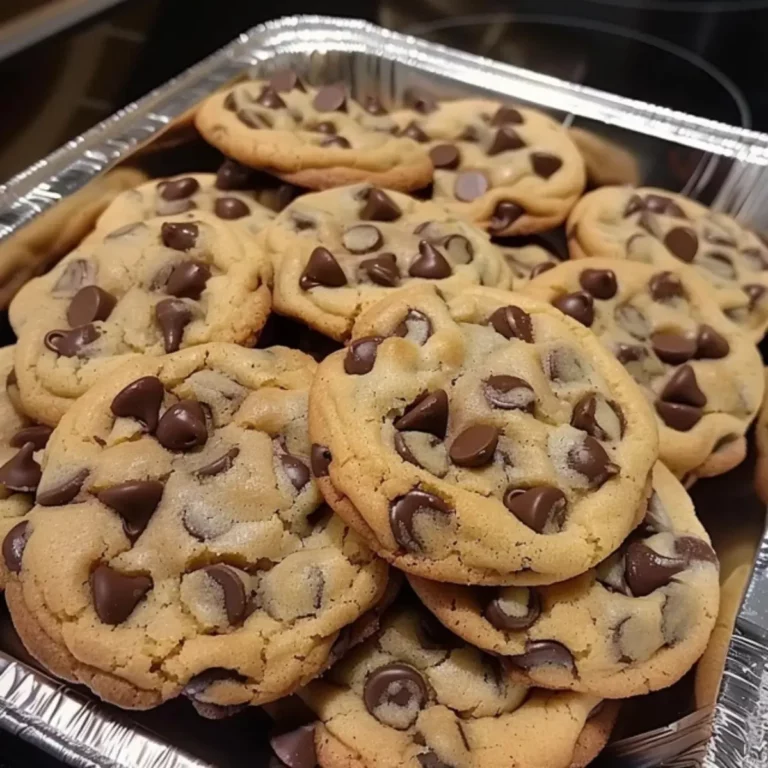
<point x="316" y="435"/>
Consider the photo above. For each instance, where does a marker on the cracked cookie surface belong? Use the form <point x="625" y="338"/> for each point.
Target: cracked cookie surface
<point x="636" y="623"/>
<point x="701" y="372"/>
<point x="147" y="288"/>
<point x="179" y="543"/>
<point x="335" y="253"/>
<point x="451" y="433"/>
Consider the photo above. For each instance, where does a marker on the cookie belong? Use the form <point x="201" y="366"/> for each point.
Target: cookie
<point x="179" y="543"/>
<point x="335" y="253"/>
<point x="312" y="137"/>
<point x="415" y="696"/>
<point x="449" y="434"/>
<point x="636" y="623"/>
<point x="511" y="170"/>
<point x="606" y="161"/>
<point x="527" y="256"/>
<point x="669" y="230"/>
<point x="701" y="372"/>
<point x="150" y="287"/>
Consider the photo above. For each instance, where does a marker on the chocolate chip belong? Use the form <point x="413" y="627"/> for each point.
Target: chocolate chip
<point x="710" y="345"/>
<point x="682" y="242"/>
<point x="230" y="104"/>
<point x="420" y="100"/>
<point x="598" y="417"/>
<point x="630" y="353"/>
<point x="666" y="285"/>
<point x="542" y="508"/>
<point x="230" y="208"/>
<point x="678" y="416"/>
<point x="405" y="509"/>
<point x="140" y="400"/>
<point x="179" y="189"/>
<point x="373" y="106"/>
<point x="362" y="238"/>
<point x="173" y="316"/>
<point x="320" y="460"/>
<point x="600" y="283"/>
<point x="382" y="269"/>
<point x="512" y="323"/>
<point x="188" y="279"/>
<point x="115" y="594"/>
<point x="269" y="99"/>
<point x="755" y="293"/>
<point x="634" y="205"/>
<point x="70" y="343"/>
<point x="64" y="492"/>
<point x="683" y="388"/>
<point x="513" y="609"/>
<point x="37" y="434"/>
<point x="21" y="472"/>
<point x="336" y="141"/>
<point x="200" y="683"/>
<point x="361" y="355"/>
<point x="509" y="393"/>
<point x="322" y="269"/>
<point x="590" y="460"/>
<point x="646" y="571"/>
<point x="379" y="206"/>
<point x="693" y="549"/>
<point x="505" y="139"/>
<point x="578" y="305"/>
<point x="470" y="185"/>
<point x="326" y="127"/>
<point x="540" y="653"/>
<point x="331" y="98"/>
<point x="415" y="326"/>
<point x="412" y="131"/>
<point x="459" y="249"/>
<point x="427" y="413"/>
<point x="182" y="427"/>
<point x="14" y="544"/>
<point x="663" y="205"/>
<point x="217" y="466"/>
<point x="297" y="470"/>
<point x="285" y="81"/>
<point x="504" y="216"/>
<point x="179" y="235"/>
<point x="253" y="120"/>
<point x="445" y="156"/>
<point x="673" y="348"/>
<point x="296" y="748"/>
<point x="90" y="304"/>
<point x="232" y="175"/>
<point x="506" y="116"/>
<point x="135" y="501"/>
<point x="76" y="275"/>
<point x="430" y="264"/>
<point x="475" y="446"/>
<point x="395" y="694"/>
<point x="545" y="164"/>
<point x="430" y="760"/>
<point x="234" y="591"/>
<point x="651" y="224"/>
<point x="632" y="320"/>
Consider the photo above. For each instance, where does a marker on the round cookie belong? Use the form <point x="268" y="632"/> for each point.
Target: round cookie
<point x="443" y="434"/>
<point x="334" y="253"/>
<point x="702" y="373"/>
<point x="414" y="696"/>
<point x="179" y="542"/>
<point x="150" y="287"/>
<point x="510" y="170"/>
<point x="636" y="623"/>
<point x="312" y="137"/>
<point x="669" y="230"/>
<point x="527" y="257"/>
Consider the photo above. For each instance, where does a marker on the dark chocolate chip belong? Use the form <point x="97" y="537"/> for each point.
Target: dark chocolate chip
<point x="693" y="549"/>
<point x="173" y="316"/>
<point x="475" y="446"/>
<point x="14" y="544"/>
<point x="233" y="589"/>
<point x="135" y="501"/>
<point x="678" y="416"/>
<point x="253" y="120"/>
<point x="320" y="460"/>
<point x="431" y="760"/>
<point x="336" y="141"/>
<point x="64" y="492"/>
<point x="600" y="283"/>
<point x="182" y="427"/>
<point x="634" y="205"/>
<point x="296" y="469"/>
<point x="586" y="417"/>
<point x="178" y="189"/>
<point x="412" y="131"/>
<point x="269" y="99"/>
<point x="459" y="249"/>
<point x="140" y="400"/>
<point x="21" y="472"/>
<point x="232" y="175"/>
<point x="663" y="205"/>
<point x="416" y="326"/>
<point x="504" y="216"/>
<point x="199" y="684"/>
<point x="230" y="208"/>
<point x="76" y="275"/>
<point x="361" y="355"/>
<point x="230" y="104"/>
<point x="682" y="242"/>
<point x="630" y="353"/>
<point x="420" y="100"/>
<point x="427" y="413"/>
<point x="187" y="279"/>
<point x="397" y="686"/>
<point x="590" y="460"/>
<point x="322" y="269"/>
<point x="296" y="748"/>
<point x="545" y="164"/>
<point x="505" y="139"/>
<point x="710" y="345"/>
<point x="430" y="264"/>
<point x="373" y="106"/>
<point x="445" y="156"/>
<point x="217" y="466"/>
<point x="578" y="305"/>
<point x="90" y="304"/>
<point x="506" y="116"/>
<point x="512" y="323"/>
<point x="285" y="81"/>
<point x="469" y="133"/>
<point x="470" y="185"/>
<point x="382" y="269"/>
<point x="181" y="236"/>
<point x="498" y="617"/>
<point x="379" y="206"/>
<point x="510" y="393"/>
<point x="37" y="434"/>
<point x="331" y="98"/>
<point x="542" y="508"/>
<point x="71" y="343"/>
<point x="362" y="238"/>
<point x="682" y="387"/>
<point x="673" y="348"/>
<point x="405" y="509"/>
<point x="115" y="594"/>
<point x="326" y="127"/>
<point x="646" y="570"/>
<point x="666" y="285"/>
<point x="539" y="653"/>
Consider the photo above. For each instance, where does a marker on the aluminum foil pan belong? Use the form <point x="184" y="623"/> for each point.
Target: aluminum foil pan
<point x="723" y="166"/>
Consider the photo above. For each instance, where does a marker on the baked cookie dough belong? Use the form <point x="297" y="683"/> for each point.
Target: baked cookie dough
<point x="149" y="287"/>
<point x="669" y="230"/>
<point x="701" y="372"/>
<point x="313" y="137"/>
<point x="334" y="253"/>
<point x="527" y="257"/>
<point x="455" y="435"/>
<point x="636" y="623"/>
<point x="511" y="170"/>
<point x="179" y="543"/>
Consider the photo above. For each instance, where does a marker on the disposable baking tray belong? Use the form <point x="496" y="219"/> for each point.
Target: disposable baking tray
<point x="721" y="165"/>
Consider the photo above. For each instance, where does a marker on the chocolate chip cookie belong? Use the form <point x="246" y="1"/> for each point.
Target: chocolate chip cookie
<point x="149" y="287"/>
<point x="669" y="230"/>
<point x="636" y="623"/>
<point x="527" y="257"/>
<point x="415" y="696"/>
<point x="336" y="252"/>
<point x="313" y="137"/>
<point x="701" y="372"/>
<point x="179" y="543"/>
<point x="451" y="433"/>
<point x="511" y="170"/>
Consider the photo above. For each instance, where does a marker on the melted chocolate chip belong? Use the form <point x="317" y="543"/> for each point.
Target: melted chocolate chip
<point x="475" y="446"/>
<point x="646" y="571"/>
<point x="331" y="98"/>
<point x="89" y="305"/>
<point x="336" y="141"/>
<point x="71" y="343"/>
<point x="412" y="131"/>
<point x="173" y="316"/>
<point x="14" y="544"/>
<point x="178" y="189"/>
<point x="673" y="348"/>
<point x="230" y="208"/>
<point x="542" y="508"/>
<point x="427" y="413"/>
<point x="755" y="293"/>
<point x="666" y="285"/>
<point x="506" y="116"/>
<point x="539" y="653"/>
<point x="710" y="345"/>
<point x="382" y="270"/>
<point x="630" y="353"/>
<point x="682" y="242"/>
<point x="600" y="418"/>
<point x="182" y="427"/>
<point x="379" y="206"/>
<point x="445" y="156"/>
<point x="512" y="323"/>
<point x="545" y="164"/>
<point x="497" y="614"/>
<point x="420" y="100"/>
<point x="693" y="549"/>
<point x="320" y="460"/>
<point x="361" y="355"/>
<point x="297" y="470"/>
<point x="505" y="139"/>
<point x="470" y="185"/>
<point x="135" y="501"/>
<point x="140" y="400"/>
<point x="285" y="81"/>
<point x="404" y="510"/>
<point x="578" y="305"/>
<point x="678" y="416"/>
<point x="682" y="387"/>
<point x="459" y="249"/>
<point x="116" y="595"/>
<point x="362" y="238"/>
<point x="509" y="393"/>
<point x="233" y="589"/>
<point x="217" y="466"/>
<point x="590" y="460"/>
<point x="663" y="205"/>
<point x="64" y="492"/>
<point x="269" y="99"/>
<point x="322" y="269"/>
<point x="179" y="235"/>
<point x="430" y="264"/>
<point x="600" y="283"/>
<point x="504" y="216"/>
<point x="37" y="434"/>
<point x="395" y="686"/>
<point x="296" y="748"/>
<point x="232" y="175"/>
<point x="415" y="326"/>
<point x="373" y="106"/>
<point x="21" y="473"/>
<point x="187" y="279"/>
